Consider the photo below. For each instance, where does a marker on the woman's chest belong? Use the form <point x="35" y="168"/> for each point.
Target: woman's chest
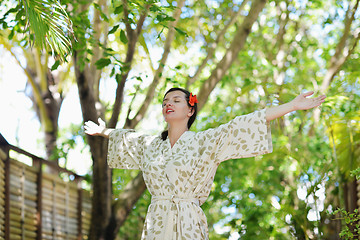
<point x="181" y="163"/>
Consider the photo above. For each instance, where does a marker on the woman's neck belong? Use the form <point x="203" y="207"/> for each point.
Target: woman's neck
<point x="175" y="133"/>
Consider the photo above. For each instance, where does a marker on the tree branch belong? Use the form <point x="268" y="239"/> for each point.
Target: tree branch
<point x="40" y="70"/>
<point x="144" y="45"/>
<point x="212" y="47"/>
<point x="8" y="47"/>
<point x="129" y="57"/>
<point x="63" y="77"/>
<point x="232" y="52"/>
<point x="126" y="20"/>
<point x="132" y="101"/>
<point x="131" y="123"/>
<point x="338" y="59"/>
<point x="36" y="91"/>
<point x="101" y="28"/>
<point x="279" y="72"/>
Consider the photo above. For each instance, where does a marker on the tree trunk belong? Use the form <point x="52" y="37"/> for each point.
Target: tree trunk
<point x="52" y="105"/>
<point x="46" y="99"/>
<point x="351" y="199"/>
<point x="101" y="200"/>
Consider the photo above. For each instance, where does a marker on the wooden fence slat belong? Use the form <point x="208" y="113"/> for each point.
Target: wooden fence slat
<point x="15" y="236"/>
<point x="16" y="203"/>
<point x="19" y="165"/>
<point x="15" y="211"/>
<point x="65" y="208"/>
<point x="15" y="230"/>
<point x="30" y="184"/>
<point x="17" y="218"/>
<point x="4" y="199"/>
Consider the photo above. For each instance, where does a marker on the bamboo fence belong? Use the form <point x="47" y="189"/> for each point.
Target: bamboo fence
<point x="37" y="205"/>
<point x="2" y="196"/>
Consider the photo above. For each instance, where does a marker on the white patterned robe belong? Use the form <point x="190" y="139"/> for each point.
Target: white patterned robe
<point x="180" y="178"/>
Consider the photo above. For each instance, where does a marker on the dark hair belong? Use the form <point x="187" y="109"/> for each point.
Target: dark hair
<point x="165" y="133"/>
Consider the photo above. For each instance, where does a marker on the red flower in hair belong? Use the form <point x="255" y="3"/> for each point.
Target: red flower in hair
<point x="192" y="99"/>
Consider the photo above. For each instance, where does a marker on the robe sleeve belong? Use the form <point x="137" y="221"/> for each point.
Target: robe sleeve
<point x="244" y="136"/>
<point x="125" y="149"/>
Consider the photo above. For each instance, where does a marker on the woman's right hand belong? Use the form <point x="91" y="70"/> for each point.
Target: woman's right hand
<point x="94" y="129"/>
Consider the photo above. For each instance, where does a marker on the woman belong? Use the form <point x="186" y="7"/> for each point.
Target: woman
<point x="179" y="167"/>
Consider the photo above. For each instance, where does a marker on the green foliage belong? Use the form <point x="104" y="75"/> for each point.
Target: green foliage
<point x="351" y="229"/>
<point x="123" y="37"/>
<point x="255" y="198"/>
<point x="47" y="23"/>
<point x="355" y="173"/>
<point x="302" y="156"/>
<point x="132" y="228"/>
<point x="102" y="62"/>
<point x="69" y="139"/>
<point x="343" y="123"/>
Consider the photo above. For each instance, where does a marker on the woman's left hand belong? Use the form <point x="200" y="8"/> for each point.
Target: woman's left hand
<point x="301" y="102"/>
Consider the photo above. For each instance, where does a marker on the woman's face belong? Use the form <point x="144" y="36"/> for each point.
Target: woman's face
<point x="175" y="107"/>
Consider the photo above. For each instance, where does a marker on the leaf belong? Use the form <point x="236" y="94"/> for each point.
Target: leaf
<point x="125" y="68"/>
<point x="123" y="37"/>
<point x="50" y="26"/>
<point x="102" y="14"/>
<point x="55" y="65"/>
<point x="118" y="78"/>
<point x="112" y="72"/>
<point x="181" y="32"/>
<point x="114" y="29"/>
<point x="154" y="8"/>
<point x="158" y="36"/>
<point x="11" y="35"/>
<point x="103" y="62"/>
<point x="118" y="9"/>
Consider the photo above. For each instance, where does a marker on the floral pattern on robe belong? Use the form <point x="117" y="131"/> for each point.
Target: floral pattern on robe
<point x="179" y="178"/>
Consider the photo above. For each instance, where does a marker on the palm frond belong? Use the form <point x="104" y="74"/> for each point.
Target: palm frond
<point x="50" y="25"/>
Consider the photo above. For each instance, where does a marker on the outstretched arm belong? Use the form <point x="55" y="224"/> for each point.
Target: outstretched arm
<point x="301" y="102"/>
<point x="94" y="129"/>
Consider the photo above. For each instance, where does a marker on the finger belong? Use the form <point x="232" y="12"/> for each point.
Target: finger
<point x="306" y="94"/>
<point x="322" y="97"/>
<point x="101" y="122"/>
<point x="90" y="124"/>
<point x="87" y="129"/>
<point x="320" y="101"/>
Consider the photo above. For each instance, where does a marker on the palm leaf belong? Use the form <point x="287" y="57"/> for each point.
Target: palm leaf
<point x="345" y="132"/>
<point x="50" y="25"/>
